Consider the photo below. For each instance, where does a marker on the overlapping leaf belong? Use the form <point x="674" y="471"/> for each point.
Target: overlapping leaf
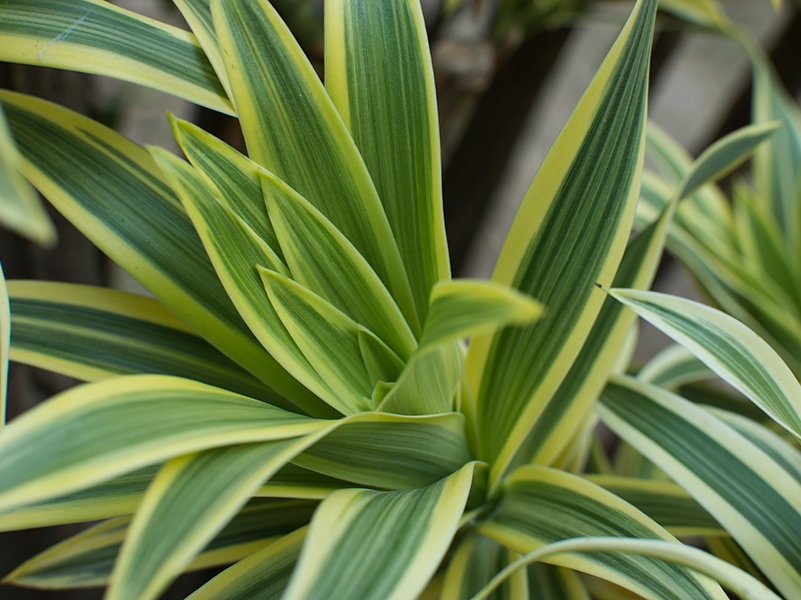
<point x="476" y="559"/>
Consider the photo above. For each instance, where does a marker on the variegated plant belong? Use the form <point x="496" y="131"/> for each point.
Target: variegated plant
<point x="297" y="399"/>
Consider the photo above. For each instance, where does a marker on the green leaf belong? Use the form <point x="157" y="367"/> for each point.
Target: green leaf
<point x="752" y="497"/>
<point x="415" y="528"/>
<point x="563" y="415"/>
<point x="101" y="430"/>
<point x="324" y="261"/>
<point x="261" y="576"/>
<point x="5" y="345"/>
<point x="235" y="177"/>
<point x="665" y="502"/>
<point x="189" y="502"/>
<point x="380" y="362"/>
<point x="540" y="506"/>
<point x="427" y="384"/>
<point x="388" y="451"/>
<point x="569" y="234"/>
<point x="328" y="338"/>
<point x="550" y="582"/>
<point x="20" y="207"/>
<point x="95" y="333"/>
<point x="113" y="190"/>
<point x="197" y="14"/>
<point x="726" y="346"/>
<point x="742" y="584"/>
<point x="235" y="251"/>
<point x="97" y="37"/>
<point x="293" y="130"/>
<point x="673" y="367"/>
<point x="476" y="559"/>
<point x="379" y="75"/>
<point x="87" y="559"/>
<point x="725" y="155"/>
<point x="471" y="306"/>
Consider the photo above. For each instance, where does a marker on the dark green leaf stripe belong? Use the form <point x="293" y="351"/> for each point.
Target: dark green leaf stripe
<point x="379" y="75"/>
<point x="293" y="130"/>
<point x="757" y="502"/>
<point x="87" y="559"/>
<point x="665" y="502"/>
<point x="550" y="582"/>
<point x="540" y="506"/>
<point x="587" y="219"/>
<point x="390" y="451"/>
<point x="114" y="191"/>
<point x="96" y="333"/>
<point x="97" y="37"/>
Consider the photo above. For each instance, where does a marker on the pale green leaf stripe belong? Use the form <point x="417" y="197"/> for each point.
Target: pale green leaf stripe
<point x="725" y="155"/>
<point x="328" y="338"/>
<point x="116" y="497"/>
<point x="665" y="502"/>
<point x="325" y="262"/>
<point x="261" y="576"/>
<point x="235" y="251"/>
<point x="564" y="413"/>
<point x="97" y="37"/>
<point x="114" y="192"/>
<point x="235" y="177"/>
<point x="20" y="208"/>
<point x="476" y="559"/>
<point x="101" y="430"/>
<point x="293" y="130"/>
<point x="550" y="582"/>
<point x="415" y="526"/>
<point x="471" y="306"/>
<point x="379" y="75"/>
<point x="197" y="14"/>
<point x="728" y="347"/>
<point x="673" y="367"/>
<point x="95" y="333"/>
<point x="5" y="344"/>
<point x="87" y="559"/>
<point x="427" y="384"/>
<point x="189" y="502"/>
<point x="752" y="497"/>
<point x="388" y="451"/>
<point x="592" y="169"/>
<point x="541" y="505"/>
<point x="737" y="581"/>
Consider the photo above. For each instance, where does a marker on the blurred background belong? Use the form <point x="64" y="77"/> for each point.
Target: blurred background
<point x="508" y="73"/>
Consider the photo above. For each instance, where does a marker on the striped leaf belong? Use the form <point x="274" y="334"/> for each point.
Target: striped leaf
<point x="471" y="306"/>
<point x="97" y="37"/>
<point x="95" y="333"/>
<point x="20" y="208"/>
<point x="427" y="385"/>
<point x="550" y="582"/>
<point x="328" y="338"/>
<point x="415" y="528"/>
<point x="728" y="347"/>
<point x="5" y="344"/>
<point x="540" y="506"/>
<point x="293" y="130"/>
<point x="235" y="251"/>
<point x="379" y="75"/>
<point x="197" y="14"/>
<point x="725" y="155"/>
<point x="145" y="420"/>
<point x="113" y="190"/>
<point x="726" y="548"/>
<point x="87" y="559"/>
<point x="673" y="367"/>
<point x="665" y="502"/>
<point x="323" y="260"/>
<point x="569" y="234"/>
<point x="261" y="576"/>
<point x="751" y="495"/>
<point x="381" y="450"/>
<point x="235" y="177"/>
<point x="476" y="559"/>
<point x="187" y="505"/>
<point x="560" y="420"/>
